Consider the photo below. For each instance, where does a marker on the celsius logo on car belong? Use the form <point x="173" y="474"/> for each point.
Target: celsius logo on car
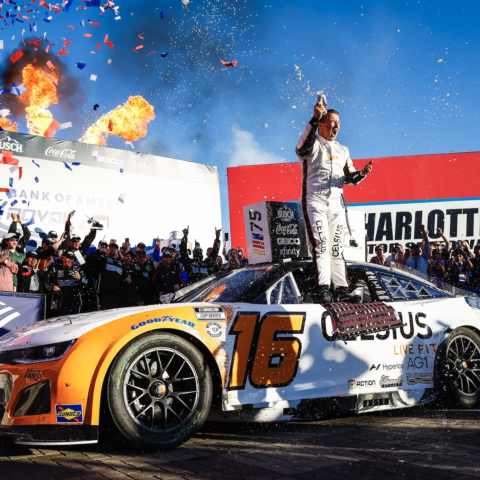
<point x="65" y="153"/>
<point x="162" y="320"/>
<point x="214" y="329"/>
<point x="69" y="413"/>
<point x="9" y="144"/>
<point x="285" y="214"/>
<point x="354" y="384"/>
<point x="113" y="161"/>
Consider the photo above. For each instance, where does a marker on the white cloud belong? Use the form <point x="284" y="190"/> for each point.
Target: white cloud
<point x="248" y="151"/>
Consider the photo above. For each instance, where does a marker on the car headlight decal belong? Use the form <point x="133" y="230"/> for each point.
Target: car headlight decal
<point x="40" y="354"/>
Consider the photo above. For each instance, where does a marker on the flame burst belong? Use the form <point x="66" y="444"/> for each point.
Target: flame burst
<point x="7" y="125"/>
<point x="40" y="94"/>
<point x="128" y="121"/>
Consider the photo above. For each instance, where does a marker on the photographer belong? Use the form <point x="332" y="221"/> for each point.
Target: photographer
<point x="397" y="256"/>
<point x="436" y="268"/>
<point x="68" y="280"/>
<point x="458" y="266"/>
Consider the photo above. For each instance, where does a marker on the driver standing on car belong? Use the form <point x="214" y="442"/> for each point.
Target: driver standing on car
<point x="326" y="167"/>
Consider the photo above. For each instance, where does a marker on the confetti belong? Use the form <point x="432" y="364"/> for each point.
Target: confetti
<point x="51" y="65"/>
<point x="14" y="203"/>
<point x="10" y="183"/>
<point x="93" y="78"/>
<point x="162" y="14"/>
<point x="94" y="24"/>
<point x="96" y="106"/>
<point x="52" y="79"/>
<point x="69" y="26"/>
<point x="8" y="159"/>
<point x="137" y="48"/>
<point x="51" y="129"/>
<point x="68" y="166"/>
<point x="87" y="35"/>
<point x="110" y="125"/>
<point x="36" y="179"/>
<point x="18" y="90"/>
<point x="1" y="44"/>
<point x="62" y="52"/>
<point x="121" y="170"/>
<point x="107" y="42"/>
<point x="140" y="36"/>
<point x="229" y="64"/>
<point x="16" y="56"/>
<point x="63" y="126"/>
<point x="81" y="65"/>
<point x="121" y="197"/>
<point x="163" y="55"/>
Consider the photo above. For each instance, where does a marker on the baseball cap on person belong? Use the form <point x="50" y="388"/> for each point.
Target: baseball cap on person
<point x="114" y="245"/>
<point x="70" y="255"/>
<point x="31" y="254"/>
<point x="130" y="254"/>
<point x="140" y="253"/>
<point x="47" y="241"/>
<point x="141" y="245"/>
<point x="52" y="234"/>
<point x="75" y="238"/>
<point x="416" y="245"/>
<point x="379" y="247"/>
<point x="102" y="243"/>
<point x="167" y="254"/>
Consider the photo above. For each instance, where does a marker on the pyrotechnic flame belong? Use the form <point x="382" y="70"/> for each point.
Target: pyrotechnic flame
<point x="40" y="94"/>
<point x="128" y="121"/>
<point x="7" y="125"/>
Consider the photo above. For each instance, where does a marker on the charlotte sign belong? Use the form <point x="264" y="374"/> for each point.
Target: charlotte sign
<point x="439" y="191"/>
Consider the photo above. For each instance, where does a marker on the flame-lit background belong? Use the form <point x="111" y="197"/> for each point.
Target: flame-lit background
<point x="378" y="63"/>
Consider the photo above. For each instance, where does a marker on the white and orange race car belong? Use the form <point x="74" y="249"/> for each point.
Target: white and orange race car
<point x="245" y="345"/>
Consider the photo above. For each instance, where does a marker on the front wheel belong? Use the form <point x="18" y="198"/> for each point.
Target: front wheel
<point x="159" y="391"/>
<point x="460" y="367"/>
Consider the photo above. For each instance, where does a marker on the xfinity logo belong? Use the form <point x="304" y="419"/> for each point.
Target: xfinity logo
<point x="9" y="144"/>
<point x="149" y="167"/>
<point x="288" y="241"/>
<point x="111" y="161"/>
<point x="289" y="252"/>
<point x="65" y="153"/>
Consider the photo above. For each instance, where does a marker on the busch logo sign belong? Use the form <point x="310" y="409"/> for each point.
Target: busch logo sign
<point x="65" y="153"/>
<point x="9" y="144"/>
<point x="285" y="214"/>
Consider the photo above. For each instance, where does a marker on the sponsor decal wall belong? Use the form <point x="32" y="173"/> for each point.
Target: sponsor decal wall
<point x="160" y="194"/>
<point x="440" y="191"/>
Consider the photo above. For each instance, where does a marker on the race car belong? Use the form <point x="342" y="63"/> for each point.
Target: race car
<point x="241" y="345"/>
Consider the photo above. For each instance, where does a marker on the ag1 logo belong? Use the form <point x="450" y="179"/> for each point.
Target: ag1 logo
<point x="418" y="363"/>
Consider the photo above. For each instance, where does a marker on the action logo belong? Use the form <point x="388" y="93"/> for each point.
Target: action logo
<point x="69" y="413"/>
<point x="214" y="329"/>
<point x="354" y="384"/>
<point x="386" y="382"/>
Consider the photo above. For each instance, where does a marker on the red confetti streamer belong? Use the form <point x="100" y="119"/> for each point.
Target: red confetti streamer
<point x="20" y="173"/>
<point x="137" y="48"/>
<point x="106" y="42"/>
<point x="66" y="44"/>
<point x="87" y="34"/>
<point x="44" y="4"/>
<point x="94" y="24"/>
<point x="62" y="52"/>
<point x="69" y="26"/>
<point x="34" y="60"/>
<point x="52" y="79"/>
<point x="4" y="189"/>
<point x="81" y="8"/>
<point x="51" y="65"/>
<point x="51" y="129"/>
<point x="110" y="125"/>
<point x="98" y="46"/>
<point x="153" y="52"/>
<point x="140" y="36"/>
<point x="16" y="56"/>
<point x="8" y="159"/>
<point x="229" y="64"/>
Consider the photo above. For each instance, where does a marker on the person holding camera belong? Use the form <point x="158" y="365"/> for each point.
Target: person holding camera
<point x="326" y="167"/>
<point x="436" y="268"/>
<point x="380" y="258"/>
<point x="444" y="250"/>
<point x="458" y="268"/>
<point x="397" y="256"/>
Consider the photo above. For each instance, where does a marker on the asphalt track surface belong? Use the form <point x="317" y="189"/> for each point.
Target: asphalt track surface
<point x="412" y="443"/>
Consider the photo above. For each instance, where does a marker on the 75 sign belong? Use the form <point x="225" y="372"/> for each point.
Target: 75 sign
<point x="265" y="351"/>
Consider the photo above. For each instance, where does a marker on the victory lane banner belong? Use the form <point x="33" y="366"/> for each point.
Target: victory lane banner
<point x="128" y="192"/>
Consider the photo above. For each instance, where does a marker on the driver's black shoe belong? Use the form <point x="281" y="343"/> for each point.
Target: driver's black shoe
<point x="343" y="295"/>
<point x="322" y="295"/>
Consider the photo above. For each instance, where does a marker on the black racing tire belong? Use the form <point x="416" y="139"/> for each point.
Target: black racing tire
<point x="460" y="368"/>
<point x="159" y="392"/>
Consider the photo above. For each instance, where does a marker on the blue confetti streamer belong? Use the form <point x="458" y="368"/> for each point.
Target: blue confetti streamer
<point x="36" y="179"/>
<point x="163" y="55"/>
<point x="121" y="170"/>
<point x="14" y="203"/>
<point x="162" y="14"/>
<point x="33" y="161"/>
<point x="76" y="163"/>
<point x="81" y="65"/>
<point x="68" y="166"/>
<point x="10" y="183"/>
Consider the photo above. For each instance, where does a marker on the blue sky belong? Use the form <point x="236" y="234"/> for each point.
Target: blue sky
<point x="378" y="62"/>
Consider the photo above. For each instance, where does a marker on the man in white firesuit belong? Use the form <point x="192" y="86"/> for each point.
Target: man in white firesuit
<point x="326" y="167"/>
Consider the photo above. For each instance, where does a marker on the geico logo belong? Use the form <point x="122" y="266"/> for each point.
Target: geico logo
<point x="114" y="161"/>
<point x="288" y="241"/>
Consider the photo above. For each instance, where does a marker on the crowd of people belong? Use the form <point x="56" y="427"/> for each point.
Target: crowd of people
<point x="443" y="263"/>
<point x="76" y="279"/>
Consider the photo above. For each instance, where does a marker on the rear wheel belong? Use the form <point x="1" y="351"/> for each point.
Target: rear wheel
<point x="460" y="367"/>
<point x="159" y="391"/>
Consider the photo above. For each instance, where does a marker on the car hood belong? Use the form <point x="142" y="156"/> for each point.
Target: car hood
<point x="67" y="328"/>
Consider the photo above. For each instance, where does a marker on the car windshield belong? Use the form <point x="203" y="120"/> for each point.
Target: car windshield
<point x="226" y="289"/>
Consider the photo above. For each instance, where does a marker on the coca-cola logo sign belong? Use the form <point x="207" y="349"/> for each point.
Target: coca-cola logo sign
<point x="291" y="229"/>
<point x="65" y="153"/>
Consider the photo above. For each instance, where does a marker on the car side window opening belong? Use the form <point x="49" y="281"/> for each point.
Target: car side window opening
<point x="284" y="292"/>
<point x="408" y="289"/>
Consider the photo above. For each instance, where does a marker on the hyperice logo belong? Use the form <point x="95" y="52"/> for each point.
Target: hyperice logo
<point x="162" y="320"/>
<point x="69" y="413"/>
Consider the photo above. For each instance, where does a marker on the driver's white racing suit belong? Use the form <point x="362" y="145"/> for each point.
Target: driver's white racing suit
<point x="326" y="166"/>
